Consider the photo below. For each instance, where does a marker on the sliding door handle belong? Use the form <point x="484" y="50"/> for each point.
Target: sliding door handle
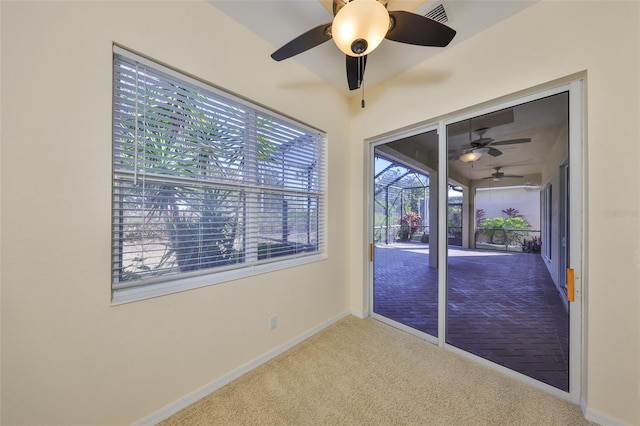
<point x="571" y="285"/>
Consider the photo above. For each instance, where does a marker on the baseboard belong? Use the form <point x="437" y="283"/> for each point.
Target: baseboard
<point x="169" y="410"/>
<point x="358" y="314"/>
<point x="600" y="418"/>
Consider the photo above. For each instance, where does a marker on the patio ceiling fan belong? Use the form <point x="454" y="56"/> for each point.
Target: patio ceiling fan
<point x="482" y="145"/>
<point x="497" y="176"/>
<point x="359" y="26"/>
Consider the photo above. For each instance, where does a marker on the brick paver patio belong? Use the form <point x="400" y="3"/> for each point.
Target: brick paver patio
<point x="501" y="306"/>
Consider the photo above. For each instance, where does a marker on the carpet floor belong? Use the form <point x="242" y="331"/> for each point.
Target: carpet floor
<point x="364" y="372"/>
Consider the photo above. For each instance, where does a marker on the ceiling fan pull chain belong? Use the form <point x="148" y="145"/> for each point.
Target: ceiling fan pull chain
<point x="361" y="78"/>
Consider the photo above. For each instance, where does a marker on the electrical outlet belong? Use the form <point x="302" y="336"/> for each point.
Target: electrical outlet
<point x="273" y="322"/>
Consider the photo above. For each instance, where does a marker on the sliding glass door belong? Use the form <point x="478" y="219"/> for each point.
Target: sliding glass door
<point x="473" y="256"/>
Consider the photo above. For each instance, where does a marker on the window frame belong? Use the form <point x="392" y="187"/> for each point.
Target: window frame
<point x="183" y="281"/>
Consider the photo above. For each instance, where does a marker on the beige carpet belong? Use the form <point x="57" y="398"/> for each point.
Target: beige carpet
<point x="363" y="372"/>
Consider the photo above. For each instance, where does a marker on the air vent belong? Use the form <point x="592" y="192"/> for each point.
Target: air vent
<point x="438" y="14"/>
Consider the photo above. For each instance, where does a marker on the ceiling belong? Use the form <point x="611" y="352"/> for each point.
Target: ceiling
<point x="544" y="121"/>
<point x="279" y="21"/>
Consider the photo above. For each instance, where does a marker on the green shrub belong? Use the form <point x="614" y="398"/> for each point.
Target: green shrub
<point x="505" y="231"/>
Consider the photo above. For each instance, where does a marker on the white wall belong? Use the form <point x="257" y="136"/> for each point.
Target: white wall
<point x="551" y="175"/>
<point x="84" y="362"/>
<point x="548" y="41"/>
<point x="525" y="200"/>
<point x="68" y="357"/>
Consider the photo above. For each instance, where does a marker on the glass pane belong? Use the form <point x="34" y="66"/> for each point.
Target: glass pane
<point x="505" y="299"/>
<point x="405" y="232"/>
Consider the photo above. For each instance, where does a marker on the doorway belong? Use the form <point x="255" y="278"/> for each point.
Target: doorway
<point x="479" y="281"/>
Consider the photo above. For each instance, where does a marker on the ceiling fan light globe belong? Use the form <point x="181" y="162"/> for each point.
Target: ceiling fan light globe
<point x="360" y="21"/>
<point x="469" y="157"/>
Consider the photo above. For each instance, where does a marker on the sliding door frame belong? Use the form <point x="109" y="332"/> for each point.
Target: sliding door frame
<point x="577" y="185"/>
<point x="425" y="128"/>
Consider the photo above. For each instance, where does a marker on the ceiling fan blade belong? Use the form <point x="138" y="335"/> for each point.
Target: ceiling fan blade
<point x="494" y="152"/>
<point x="312" y="38"/>
<point x="355" y="71"/>
<point x="511" y="142"/>
<point x="481" y="142"/>
<point x="416" y="29"/>
<point x="512" y="176"/>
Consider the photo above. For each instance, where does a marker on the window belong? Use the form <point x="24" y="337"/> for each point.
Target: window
<point x="206" y="186"/>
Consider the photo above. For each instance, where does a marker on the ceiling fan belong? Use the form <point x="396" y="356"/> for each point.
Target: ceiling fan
<point x="497" y="176"/>
<point x="482" y="145"/>
<point x="359" y="26"/>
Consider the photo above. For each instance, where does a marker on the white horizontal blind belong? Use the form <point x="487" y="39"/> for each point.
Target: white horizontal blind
<point x="204" y="181"/>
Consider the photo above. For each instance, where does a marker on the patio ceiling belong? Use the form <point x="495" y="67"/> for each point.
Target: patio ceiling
<point x="544" y="121"/>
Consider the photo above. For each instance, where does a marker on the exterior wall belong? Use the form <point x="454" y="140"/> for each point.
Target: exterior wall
<point x="68" y="357"/>
<point x="544" y="43"/>
<point x="551" y="176"/>
<point x="525" y="200"/>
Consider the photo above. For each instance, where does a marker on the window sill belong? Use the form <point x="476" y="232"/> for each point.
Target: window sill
<point x="120" y="297"/>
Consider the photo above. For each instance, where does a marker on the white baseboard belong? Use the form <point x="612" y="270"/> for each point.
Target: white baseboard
<point x="185" y="401"/>
<point x="600" y="418"/>
<point x="358" y="314"/>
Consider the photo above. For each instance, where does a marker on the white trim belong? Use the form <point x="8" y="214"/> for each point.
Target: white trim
<point x="600" y="418"/>
<point x="410" y="330"/>
<point x="443" y="236"/>
<point x="169" y="410"/>
<point x="577" y="186"/>
<point x="358" y="314"/>
<point x="177" y="285"/>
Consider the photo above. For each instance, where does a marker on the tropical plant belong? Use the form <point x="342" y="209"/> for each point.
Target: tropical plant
<point x="511" y="212"/>
<point x="201" y="221"/>
<point x="534" y="245"/>
<point x="410" y="222"/>
<point x="197" y="222"/>
<point x="454" y="216"/>
<point x="480" y="215"/>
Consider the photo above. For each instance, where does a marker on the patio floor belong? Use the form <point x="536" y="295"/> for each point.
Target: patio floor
<point x="502" y="306"/>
